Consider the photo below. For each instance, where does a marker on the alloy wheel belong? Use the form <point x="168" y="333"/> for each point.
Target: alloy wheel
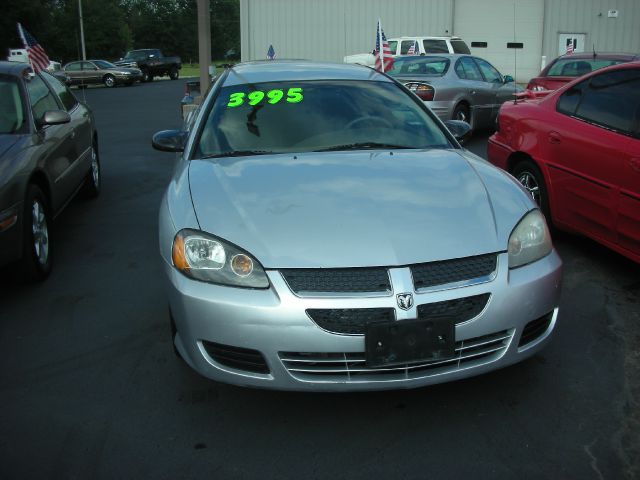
<point x="529" y="181"/>
<point x="40" y="232"/>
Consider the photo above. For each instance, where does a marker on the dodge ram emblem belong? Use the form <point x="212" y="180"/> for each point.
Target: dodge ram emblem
<point x="405" y="300"/>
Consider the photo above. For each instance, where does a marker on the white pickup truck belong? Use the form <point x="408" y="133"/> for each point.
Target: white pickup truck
<point x="402" y="45"/>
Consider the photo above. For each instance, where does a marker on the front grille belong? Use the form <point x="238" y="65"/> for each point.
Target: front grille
<point x="535" y="329"/>
<point x="460" y="309"/>
<point x="354" y="321"/>
<point x="350" y="320"/>
<point x="351" y="366"/>
<point x="337" y="280"/>
<point x="427" y="275"/>
<point x="236" y="357"/>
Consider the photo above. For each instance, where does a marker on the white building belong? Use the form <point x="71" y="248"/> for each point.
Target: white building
<point x="514" y="35"/>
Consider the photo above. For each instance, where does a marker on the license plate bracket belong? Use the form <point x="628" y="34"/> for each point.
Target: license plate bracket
<point x="409" y="341"/>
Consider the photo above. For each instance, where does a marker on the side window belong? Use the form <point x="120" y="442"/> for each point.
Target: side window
<point x="406" y="45"/>
<point x="467" y="69"/>
<point x="393" y="46"/>
<point x="88" y="66"/>
<point x="612" y="100"/>
<point x="68" y="99"/>
<point x="489" y="73"/>
<point x="460" y="47"/>
<point x="435" y="46"/>
<point x="569" y="100"/>
<point x="40" y="97"/>
<point x="73" y="67"/>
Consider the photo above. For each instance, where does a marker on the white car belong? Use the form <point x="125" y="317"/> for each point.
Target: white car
<point x="424" y="45"/>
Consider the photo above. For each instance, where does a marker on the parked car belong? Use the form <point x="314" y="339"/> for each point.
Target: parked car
<point x="460" y="87"/>
<point x="566" y="68"/>
<point x="48" y="152"/>
<point x="414" y="46"/>
<point x="324" y="231"/>
<point x="577" y="152"/>
<point x="90" y="72"/>
<point x="152" y="63"/>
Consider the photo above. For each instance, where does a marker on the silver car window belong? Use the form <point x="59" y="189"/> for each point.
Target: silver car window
<point x="40" y="97"/>
<point x="315" y="115"/>
<point x="466" y="69"/>
<point x="12" y="116"/>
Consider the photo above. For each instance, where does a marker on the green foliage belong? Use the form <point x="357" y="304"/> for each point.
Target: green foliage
<point x="111" y="27"/>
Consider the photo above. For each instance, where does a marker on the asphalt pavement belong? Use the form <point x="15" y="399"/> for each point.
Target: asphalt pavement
<point x="90" y="387"/>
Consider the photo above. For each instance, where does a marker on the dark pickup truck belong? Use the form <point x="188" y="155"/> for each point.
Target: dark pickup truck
<point x="152" y="63"/>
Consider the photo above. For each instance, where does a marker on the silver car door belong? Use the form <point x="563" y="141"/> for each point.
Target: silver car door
<point x="481" y="98"/>
<point x="497" y="90"/>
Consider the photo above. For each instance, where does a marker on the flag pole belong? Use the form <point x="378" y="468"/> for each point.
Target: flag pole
<point x="381" y="51"/>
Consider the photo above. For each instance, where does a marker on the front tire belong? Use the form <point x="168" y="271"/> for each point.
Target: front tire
<point x="109" y="81"/>
<point x="36" y="253"/>
<point x="531" y="178"/>
<point x="174" y="73"/>
<point x="146" y="76"/>
<point x="93" y="181"/>
<point x="461" y="112"/>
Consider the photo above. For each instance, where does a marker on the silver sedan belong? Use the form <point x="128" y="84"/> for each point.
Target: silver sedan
<point x="324" y="232"/>
<point x="460" y="87"/>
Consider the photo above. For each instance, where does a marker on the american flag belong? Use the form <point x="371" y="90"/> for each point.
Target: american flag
<point x="384" y="57"/>
<point x="413" y="48"/>
<point x="271" y="53"/>
<point x="37" y="56"/>
<point x="569" y="46"/>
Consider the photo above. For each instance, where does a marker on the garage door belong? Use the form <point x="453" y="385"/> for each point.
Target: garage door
<point x="489" y="32"/>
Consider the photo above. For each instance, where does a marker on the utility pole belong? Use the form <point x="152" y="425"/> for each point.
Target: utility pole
<point x="204" y="43"/>
<point x="84" y="52"/>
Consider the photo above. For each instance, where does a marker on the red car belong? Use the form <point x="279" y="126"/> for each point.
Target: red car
<point x="577" y="152"/>
<point x="566" y="68"/>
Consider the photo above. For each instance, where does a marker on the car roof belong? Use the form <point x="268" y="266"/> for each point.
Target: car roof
<point x="605" y="55"/>
<point x="451" y="56"/>
<point x="299" y="70"/>
<point x="15" y="69"/>
<point x="425" y="38"/>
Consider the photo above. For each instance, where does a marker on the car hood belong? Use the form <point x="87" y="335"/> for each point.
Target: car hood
<point x="321" y="210"/>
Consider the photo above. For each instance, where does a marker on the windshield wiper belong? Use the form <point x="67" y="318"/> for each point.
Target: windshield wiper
<point x="363" y="146"/>
<point x="239" y="153"/>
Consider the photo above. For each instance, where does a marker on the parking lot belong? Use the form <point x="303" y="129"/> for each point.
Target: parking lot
<point x="90" y="387"/>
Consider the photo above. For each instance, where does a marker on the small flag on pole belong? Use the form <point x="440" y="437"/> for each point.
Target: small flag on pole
<point x="413" y="48"/>
<point x="384" y="60"/>
<point x="569" y="46"/>
<point x="271" y="53"/>
<point x="37" y="56"/>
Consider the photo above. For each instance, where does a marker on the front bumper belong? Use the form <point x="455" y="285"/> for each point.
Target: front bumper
<point x="273" y="325"/>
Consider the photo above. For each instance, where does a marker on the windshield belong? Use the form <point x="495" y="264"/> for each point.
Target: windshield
<point x="104" y="64"/>
<point x="12" y="115"/>
<point x="138" y="54"/>
<point x="572" y="67"/>
<point x="433" y="66"/>
<point x="316" y="115"/>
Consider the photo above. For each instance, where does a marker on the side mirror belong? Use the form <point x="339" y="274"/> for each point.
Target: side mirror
<point x="54" y="117"/>
<point x="169" y="140"/>
<point x="462" y="131"/>
<point x="508" y="79"/>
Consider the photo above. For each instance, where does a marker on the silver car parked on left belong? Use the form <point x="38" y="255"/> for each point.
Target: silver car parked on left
<point x="48" y="153"/>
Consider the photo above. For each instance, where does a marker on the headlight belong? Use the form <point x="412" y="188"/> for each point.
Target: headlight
<point x="530" y="240"/>
<point x="204" y="257"/>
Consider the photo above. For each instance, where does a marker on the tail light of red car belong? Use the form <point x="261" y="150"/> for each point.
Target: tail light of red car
<point x="425" y="91"/>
